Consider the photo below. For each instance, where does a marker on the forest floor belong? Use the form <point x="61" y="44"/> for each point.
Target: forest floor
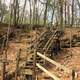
<point x="70" y="57"/>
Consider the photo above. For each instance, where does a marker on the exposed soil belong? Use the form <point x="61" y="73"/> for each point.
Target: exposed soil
<point x="69" y="57"/>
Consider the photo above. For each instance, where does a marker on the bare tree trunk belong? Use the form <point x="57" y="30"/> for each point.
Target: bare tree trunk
<point x="79" y="9"/>
<point x="68" y="15"/>
<point x="78" y="3"/>
<point x="17" y="64"/>
<point x="61" y="14"/>
<point x="53" y="14"/>
<point x="38" y="18"/>
<point x="65" y="13"/>
<point x="72" y="13"/>
<point x="14" y="20"/>
<point x="24" y="10"/>
<point x="1" y="8"/>
<point x="52" y="17"/>
<point x="1" y="16"/>
<point x="17" y="12"/>
<point x="45" y="13"/>
<point x="30" y="18"/>
<point x="36" y="12"/>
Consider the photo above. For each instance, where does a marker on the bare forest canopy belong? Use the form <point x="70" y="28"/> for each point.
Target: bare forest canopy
<point x="40" y="12"/>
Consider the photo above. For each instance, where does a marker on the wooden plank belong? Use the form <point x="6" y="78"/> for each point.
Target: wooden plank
<point x="54" y="62"/>
<point x="47" y="72"/>
<point x="26" y="72"/>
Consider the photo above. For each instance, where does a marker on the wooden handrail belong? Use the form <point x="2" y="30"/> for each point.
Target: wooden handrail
<point x="54" y="62"/>
<point x="47" y="72"/>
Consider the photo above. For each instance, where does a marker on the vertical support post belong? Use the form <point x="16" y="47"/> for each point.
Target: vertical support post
<point x="73" y="74"/>
<point x="4" y="64"/>
<point x="3" y="70"/>
<point x="34" y="65"/>
<point x="44" y="59"/>
<point x="17" y="64"/>
<point x="34" y="61"/>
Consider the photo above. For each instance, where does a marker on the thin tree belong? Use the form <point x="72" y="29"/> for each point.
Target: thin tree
<point x="24" y="10"/>
<point x="65" y="12"/>
<point x="72" y="13"/>
<point x="14" y="19"/>
<point x="53" y="11"/>
<point x="61" y="14"/>
<point x="45" y="13"/>
<point x="30" y="17"/>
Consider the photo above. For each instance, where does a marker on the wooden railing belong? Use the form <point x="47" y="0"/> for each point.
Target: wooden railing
<point x="56" y="64"/>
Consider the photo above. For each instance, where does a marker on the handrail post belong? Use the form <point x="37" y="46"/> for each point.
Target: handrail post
<point x="17" y="64"/>
<point x="74" y="75"/>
